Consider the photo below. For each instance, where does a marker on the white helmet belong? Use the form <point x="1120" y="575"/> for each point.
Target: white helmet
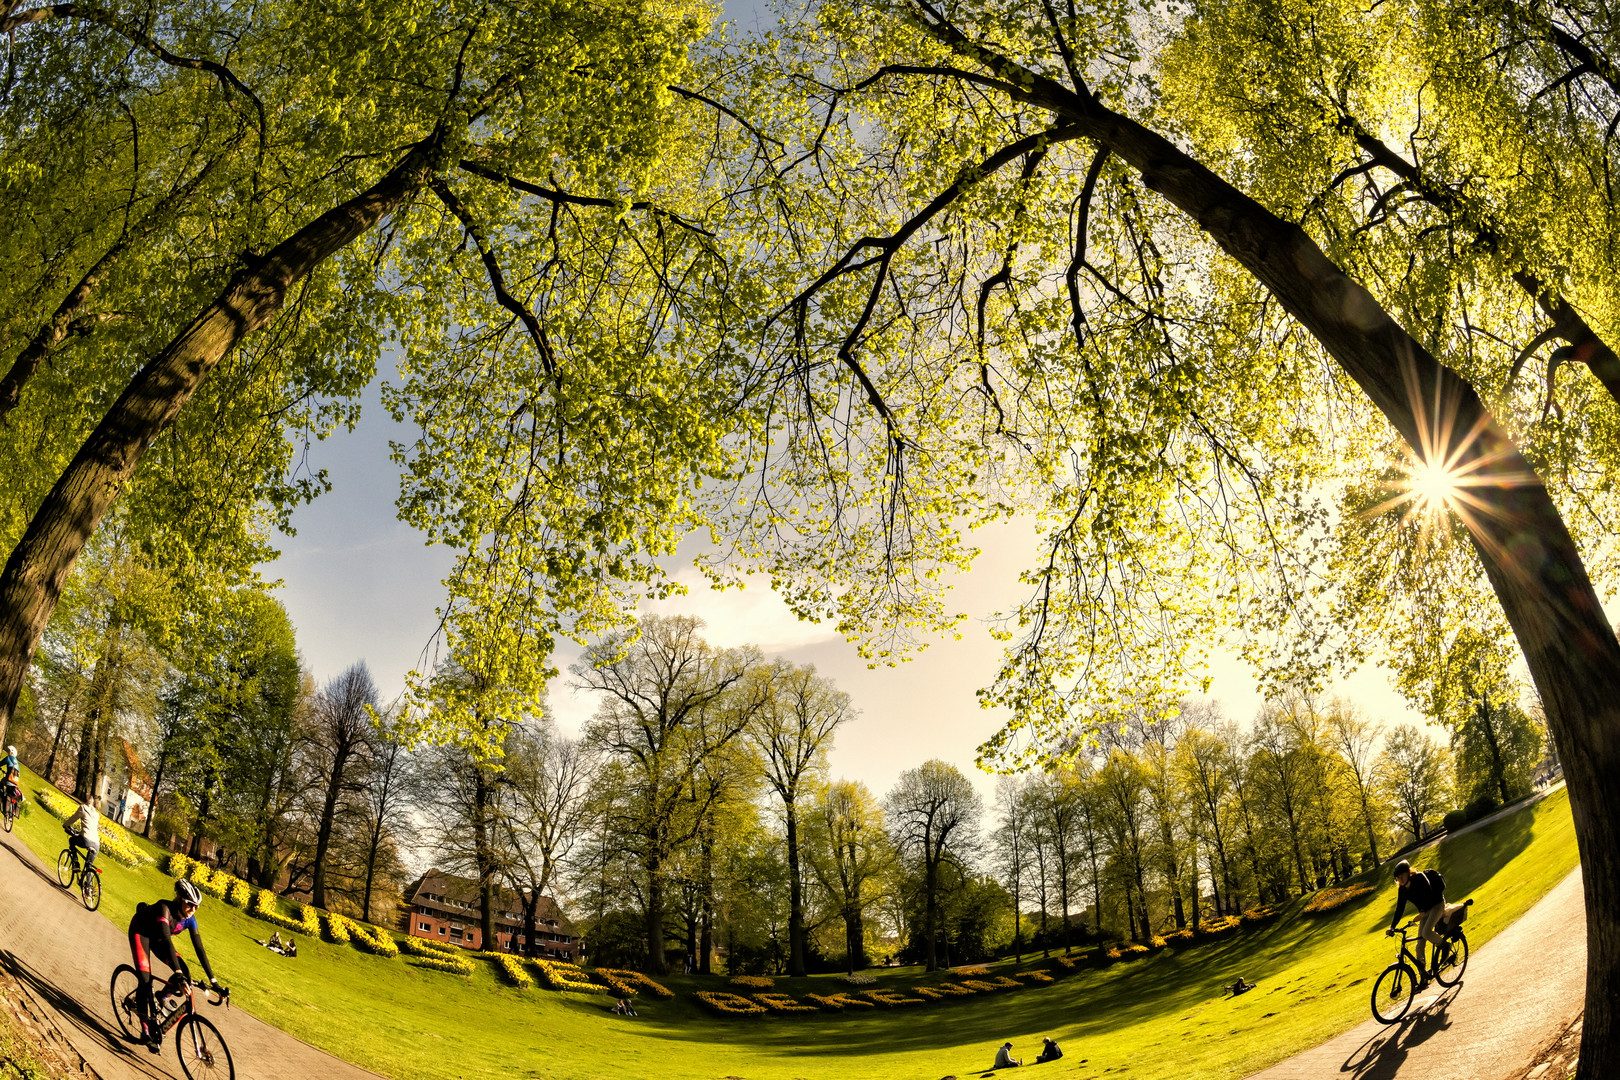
<point x="12" y="750"/>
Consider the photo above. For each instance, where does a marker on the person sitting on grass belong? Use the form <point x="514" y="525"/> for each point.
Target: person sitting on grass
<point x="624" y="1008"/>
<point x="1049" y="1050"/>
<point x="1240" y="987"/>
<point x="1004" y="1058"/>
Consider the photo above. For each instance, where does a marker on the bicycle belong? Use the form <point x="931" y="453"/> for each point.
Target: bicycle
<point x="69" y="870"/>
<point x="1397" y="984"/>
<point x="201" y="1047"/>
<point x="13" y="800"/>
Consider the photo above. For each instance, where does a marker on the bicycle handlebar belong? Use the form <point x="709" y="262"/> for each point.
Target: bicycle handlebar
<point x="223" y="992"/>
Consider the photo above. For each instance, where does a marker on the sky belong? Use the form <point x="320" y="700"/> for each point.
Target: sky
<point x="360" y="585"/>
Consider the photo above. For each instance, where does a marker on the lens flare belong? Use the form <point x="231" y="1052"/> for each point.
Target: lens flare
<point x="1434" y="487"/>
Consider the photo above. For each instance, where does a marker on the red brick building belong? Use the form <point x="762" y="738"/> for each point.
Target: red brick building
<point x="445" y="908"/>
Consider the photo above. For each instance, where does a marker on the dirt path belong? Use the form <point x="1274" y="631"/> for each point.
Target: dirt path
<point x="62" y="957"/>
<point x="1517" y="998"/>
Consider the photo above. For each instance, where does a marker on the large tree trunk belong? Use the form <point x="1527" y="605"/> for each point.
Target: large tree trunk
<point x="930" y="901"/>
<point x="39" y="564"/>
<point x="484" y="853"/>
<point x="657" y="964"/>
<point x="323" y="836"/>
<point x="157" y="782"/>
<point x="796" y="935"/>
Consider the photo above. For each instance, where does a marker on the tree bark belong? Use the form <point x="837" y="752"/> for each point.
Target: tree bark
<point x="657" y="963"/>
<point x="39" y="564"/>
<point x="323" y="836"/>
<point x="796" y="935"/>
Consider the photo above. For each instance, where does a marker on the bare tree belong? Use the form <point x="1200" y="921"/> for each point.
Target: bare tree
<point x="549" y="779"/>
<point x="1356" y="739"/>
<point x="793" y="730"/>
<point x="385" y="802"/>
<point x="341" y="732"/>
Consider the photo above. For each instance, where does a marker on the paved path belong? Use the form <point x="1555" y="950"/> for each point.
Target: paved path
<point x="63" y="956"/>
<point x="1520" y="992"/>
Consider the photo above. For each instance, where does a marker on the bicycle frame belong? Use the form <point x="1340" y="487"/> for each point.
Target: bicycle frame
<point x="1408" y="935"/>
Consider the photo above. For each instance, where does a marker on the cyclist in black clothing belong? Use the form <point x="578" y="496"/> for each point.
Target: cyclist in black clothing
<point x="151" y="933"/>
<point x="1426" y="889"/>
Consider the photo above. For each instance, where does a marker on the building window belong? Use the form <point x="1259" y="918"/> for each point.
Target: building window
<point x="428" y="927"/>
<point x="455" y="934"/>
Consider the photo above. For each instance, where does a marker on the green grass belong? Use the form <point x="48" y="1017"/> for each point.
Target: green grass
<point x="1160" y="1017"/>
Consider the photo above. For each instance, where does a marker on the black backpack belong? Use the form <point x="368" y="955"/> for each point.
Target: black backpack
<point x="1439" y="879"/>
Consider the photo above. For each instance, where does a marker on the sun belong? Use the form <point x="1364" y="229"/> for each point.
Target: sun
<point x="1434" y="486"/>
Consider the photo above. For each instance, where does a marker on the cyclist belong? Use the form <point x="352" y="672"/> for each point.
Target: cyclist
<point x="12" y="768"/>
<point x="88" y="835"/>
<point x="151" y="933"/>
<point x="1426" y="889"/>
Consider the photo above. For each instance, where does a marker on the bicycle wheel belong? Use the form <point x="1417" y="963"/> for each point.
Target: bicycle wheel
<point x="126" y="1001"/>
<point x="1392" y="993"/>
<point x="1454" y="962"/>
<point x="202" y="1049"/>
<point x="65" y="869"/>
<point x="90" y="889"/>
<point x="10" y="817"/>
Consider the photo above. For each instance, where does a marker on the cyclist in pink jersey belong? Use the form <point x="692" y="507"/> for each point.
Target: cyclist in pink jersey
<point x="151" y="933"/>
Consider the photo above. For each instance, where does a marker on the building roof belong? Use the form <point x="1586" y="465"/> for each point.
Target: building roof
<point x="457" y="898"/>
<point x="137" y="774"/>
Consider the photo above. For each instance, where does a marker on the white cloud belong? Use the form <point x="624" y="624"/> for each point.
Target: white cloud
<point x="754" y="615"/>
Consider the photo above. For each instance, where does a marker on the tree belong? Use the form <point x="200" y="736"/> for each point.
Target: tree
<point x="1356" y="737"/>
<point x="1010" y="844"/>
<point x="668" y="703"/>
<point x="793" y="731"/>
<point x="1412" y="774"/>
<point x="1038" y="145"/>
<point x="385" y="803"/>
<point x="549" y="777"/>
<point x="850" y="856"/>
<point x="340" y="739"/>
<point x="933" y="816"/>
<point x="1205" y="766"/>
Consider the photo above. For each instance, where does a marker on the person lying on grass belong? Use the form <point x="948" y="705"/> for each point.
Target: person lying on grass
<point x="1004" y="1058"/>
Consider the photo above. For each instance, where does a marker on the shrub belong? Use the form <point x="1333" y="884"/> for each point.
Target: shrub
<point x="1454" y="820"/>
<point x="758" y="982"/>
<point x="511" y="969"/>
<point x="730" y="1004"/>
<point x="1480" y="807"/>
<point x="1330" y="899"/>
<point x="628" y="983"/>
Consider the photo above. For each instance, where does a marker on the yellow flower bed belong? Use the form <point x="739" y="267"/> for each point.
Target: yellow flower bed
<point x="840" y="1002"/>
<point x="115" y="840"/>
<point x="760" y="982"/>
<point x="562" y="976"/>
<point x="337" y="928"/>
<point x="267" y="907"/>
<point x="627" y="983"/>
<point x="782" y="1003"/>
<point x="423" y="947"/>
<point x="972" y="972"/>
<point x="730" y="1004"/>
<point x="1035" y="976"/>
<point x="1328" y="899"/>
<point x="891" y="999"/>
<point x="511" y="969"/>
<point x="455" y="965"/>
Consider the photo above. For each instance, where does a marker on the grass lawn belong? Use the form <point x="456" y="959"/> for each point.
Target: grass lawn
<point x="1159" y="1017"/>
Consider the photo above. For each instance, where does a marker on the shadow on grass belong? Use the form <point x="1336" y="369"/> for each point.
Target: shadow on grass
<point x="1468" y="866"/>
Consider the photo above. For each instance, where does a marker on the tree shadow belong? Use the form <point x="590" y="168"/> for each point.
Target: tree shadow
<point x="26" y="858"/>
